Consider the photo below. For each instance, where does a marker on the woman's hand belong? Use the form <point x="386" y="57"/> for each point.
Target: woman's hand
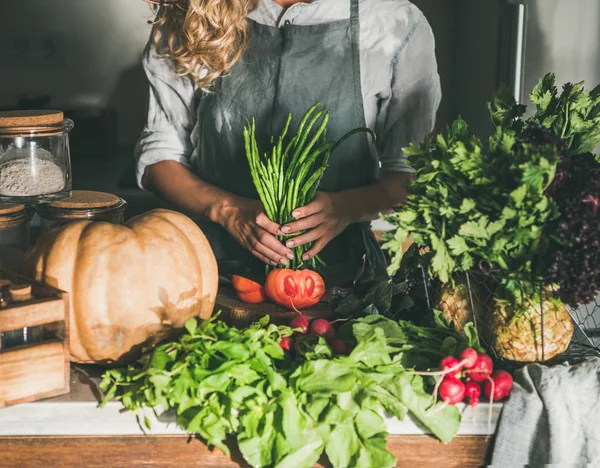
<point x="246" y="221"/>
<point x="323" y="219"/>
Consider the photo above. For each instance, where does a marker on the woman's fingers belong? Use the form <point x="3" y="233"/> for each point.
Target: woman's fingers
<point x="309" y="236"/>
<point x="273" y="244"/>
<point x="261" y="257"/>
<point x="264" y="246"/>
<point x="315" y="249"/>
<point x="264" y="222"/>
<point x="303" y="224"/>
<point x="315" y="206"/>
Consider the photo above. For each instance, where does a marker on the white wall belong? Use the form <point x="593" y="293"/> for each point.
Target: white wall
<point x="563" y="37"/>
<point x="96" y="59"/>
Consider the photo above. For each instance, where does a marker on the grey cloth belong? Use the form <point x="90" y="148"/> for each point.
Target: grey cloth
<point x="552" y="418"/>
<point x="400" y="84"/>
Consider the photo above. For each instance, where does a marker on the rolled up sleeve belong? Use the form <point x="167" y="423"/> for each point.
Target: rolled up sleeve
<point x="408" y="114"/>
<point x="171" y="115"/>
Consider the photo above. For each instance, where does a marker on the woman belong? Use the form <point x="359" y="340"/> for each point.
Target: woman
<point x="213" y="63"/>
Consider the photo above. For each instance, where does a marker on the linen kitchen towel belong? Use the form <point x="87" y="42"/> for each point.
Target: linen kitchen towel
<point x="552" y="418"/>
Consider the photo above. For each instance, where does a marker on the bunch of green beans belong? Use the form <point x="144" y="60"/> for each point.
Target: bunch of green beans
<point x="288" y="176"/>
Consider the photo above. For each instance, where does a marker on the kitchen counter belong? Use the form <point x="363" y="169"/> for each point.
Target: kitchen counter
<point x="70" y="430"/>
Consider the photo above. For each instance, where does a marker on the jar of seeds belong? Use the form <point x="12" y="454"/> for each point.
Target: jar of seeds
<point x="35" y="164"/>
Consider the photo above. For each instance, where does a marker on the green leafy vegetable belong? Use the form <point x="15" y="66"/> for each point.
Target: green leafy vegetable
<point x="221" y="381"/>
<point x="469" y="205"/>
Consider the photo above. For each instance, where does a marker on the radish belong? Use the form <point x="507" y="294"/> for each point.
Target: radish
<point x="322" y="327"/>
<point x="452" y="391"/>
<point x="482" y="368"/>
<point x="473" y="392"/>
<point x="498" y="386"/>
<point x="301" y="322"/>
<point x="339" y="346"/>
<point x="450" y="364"/>
<point x="286" y="343"/>
<point x="468" y="358"/>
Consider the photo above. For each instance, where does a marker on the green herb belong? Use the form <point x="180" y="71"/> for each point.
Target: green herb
<point x="573" y="116"/>
<point x="468" y="205"/>
<point x="495" y="203"/>
<point x="288" y="175"/>
<point x="222" y="381"/>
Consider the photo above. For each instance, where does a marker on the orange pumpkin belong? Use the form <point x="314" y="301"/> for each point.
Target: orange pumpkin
<point x="129" y="285"/>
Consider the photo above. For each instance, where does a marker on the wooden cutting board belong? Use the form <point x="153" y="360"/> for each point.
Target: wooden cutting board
<point x="240" y="314"/>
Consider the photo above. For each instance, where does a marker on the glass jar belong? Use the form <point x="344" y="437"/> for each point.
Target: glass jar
<point x="35" y="164"/>
<point x="82" y="205"/>
<point x="14" y="235"/>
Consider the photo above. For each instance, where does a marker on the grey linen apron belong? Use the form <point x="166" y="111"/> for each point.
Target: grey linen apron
<point x="288" y="70"/>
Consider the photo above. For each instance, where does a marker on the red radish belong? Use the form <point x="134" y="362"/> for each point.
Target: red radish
<point x="452" y="391"/>
<point x="468" y="358"/>
<point x="286" y="343"/>
<point x="339" y="346"/>
<point x="322" y="327"/>
<point x="450" y="365"/>
<point x="482" y="369"/>
<point x="301" y="322"/>
<point x="498" y="386"/>
<point x="473" y="392"/>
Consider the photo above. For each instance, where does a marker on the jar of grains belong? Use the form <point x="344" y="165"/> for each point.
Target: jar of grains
<point x="82" y="205"/>
<point x="14" y="235"/>
<point x="35" y="164"/>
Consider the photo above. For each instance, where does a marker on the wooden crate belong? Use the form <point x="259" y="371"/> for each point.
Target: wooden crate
<point x="38" y="370"/>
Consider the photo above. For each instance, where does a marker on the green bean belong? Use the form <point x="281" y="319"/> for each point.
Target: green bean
<point x="352" y="132"/>
<point x="308" y="164"/>
<point x="303" y="138"/>
<point x="312" y="181"/>
<point x="288" y="175"/>
<point x="312" y="143"/>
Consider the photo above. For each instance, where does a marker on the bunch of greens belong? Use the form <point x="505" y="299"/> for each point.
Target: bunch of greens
<point x="222" y="381"/>
<point x="571" y="121"/>
<point x="468" y="202"/>
<point x="287" y="176"/>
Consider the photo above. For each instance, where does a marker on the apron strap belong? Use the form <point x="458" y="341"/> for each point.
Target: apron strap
<point x="354" y="9"/>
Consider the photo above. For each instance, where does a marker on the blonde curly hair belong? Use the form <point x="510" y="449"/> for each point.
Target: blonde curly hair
<point x="204" y="37"/>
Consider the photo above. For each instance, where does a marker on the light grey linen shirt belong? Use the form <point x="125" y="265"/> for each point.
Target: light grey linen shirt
<point x="399" y="78"/>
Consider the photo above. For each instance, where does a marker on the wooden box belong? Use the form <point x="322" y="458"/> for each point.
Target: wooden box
<point x="33" y="371"/>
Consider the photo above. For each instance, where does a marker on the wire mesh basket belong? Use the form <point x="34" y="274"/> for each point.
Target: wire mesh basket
<point x="518" y="319"/>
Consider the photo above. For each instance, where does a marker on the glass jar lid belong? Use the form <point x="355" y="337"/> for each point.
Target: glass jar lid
<point x="83" y="204"/>
<point x="33" y="123"/>
<point x="14" y="215"/>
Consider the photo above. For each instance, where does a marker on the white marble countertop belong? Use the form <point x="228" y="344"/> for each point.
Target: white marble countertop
<point x="77" y="414"/>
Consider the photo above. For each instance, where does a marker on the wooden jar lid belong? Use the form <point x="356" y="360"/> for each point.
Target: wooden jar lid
<point x="20" y="292"/>
<point x="85" y="199"/>
<point x="30" y="118"/>
<point x="13" y="215"/>
<point x="6" y="209"/>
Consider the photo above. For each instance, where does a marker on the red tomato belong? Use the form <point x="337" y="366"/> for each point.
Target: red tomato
<point x="248" y="290"/>
<point x="295" y="289"/>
